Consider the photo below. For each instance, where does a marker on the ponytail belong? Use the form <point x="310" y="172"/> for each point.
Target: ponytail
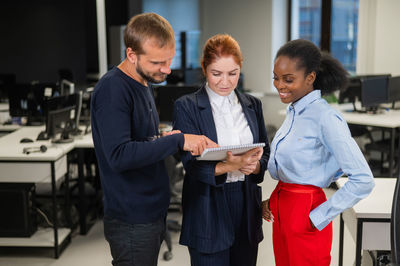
<point x="331" y="75"/>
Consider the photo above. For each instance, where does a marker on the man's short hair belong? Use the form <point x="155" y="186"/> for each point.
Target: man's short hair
<point x="147" y="26"/>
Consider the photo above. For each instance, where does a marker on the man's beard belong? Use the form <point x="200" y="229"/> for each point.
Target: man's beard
<point x="149" y="78"/>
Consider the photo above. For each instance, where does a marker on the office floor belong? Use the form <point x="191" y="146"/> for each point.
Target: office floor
<point x="93" y="250"/>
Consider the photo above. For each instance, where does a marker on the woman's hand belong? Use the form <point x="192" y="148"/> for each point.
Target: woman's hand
<point x="312" y="224"/>
<point x="250" y="168"/>
<point x="266" y="211"/>
<point x="247" y="162"/>
<point x="254" y="167"/>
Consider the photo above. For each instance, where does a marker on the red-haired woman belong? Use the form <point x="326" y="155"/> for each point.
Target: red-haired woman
<point x="221" y="199"/>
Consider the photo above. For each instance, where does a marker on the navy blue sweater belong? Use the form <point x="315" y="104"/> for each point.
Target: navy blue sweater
<point x="132" y="170"/>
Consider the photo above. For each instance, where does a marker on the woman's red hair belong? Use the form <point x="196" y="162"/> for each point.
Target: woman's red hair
<point x="218" y="46"/>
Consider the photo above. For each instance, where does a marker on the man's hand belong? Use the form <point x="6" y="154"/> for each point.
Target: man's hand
<point x="196" y="144"/>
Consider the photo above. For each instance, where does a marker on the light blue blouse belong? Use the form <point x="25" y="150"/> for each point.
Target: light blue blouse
<point x="314" y="147"/>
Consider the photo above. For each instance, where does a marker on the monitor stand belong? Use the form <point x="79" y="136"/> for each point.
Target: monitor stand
<point x="369" y="110"/>
<point x="375" y="110"/>
<point x="43" y="136"/>
<point x="64" y="138"/>
<point x="76" y="132"/>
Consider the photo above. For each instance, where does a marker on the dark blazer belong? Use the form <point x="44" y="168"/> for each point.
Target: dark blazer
<point x="206" y="224"/>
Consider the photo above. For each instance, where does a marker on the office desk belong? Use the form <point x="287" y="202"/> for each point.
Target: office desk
<point x="389" y="120"/>
<point x="8" y="128"/>
<point x="4" y="106"/>
<point x="369" y="220"/>
<point x="48" y="167"/>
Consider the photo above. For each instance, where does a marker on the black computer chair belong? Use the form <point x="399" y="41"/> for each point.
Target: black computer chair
<point x="395" y="221"/>
<point x="382" y="146"/>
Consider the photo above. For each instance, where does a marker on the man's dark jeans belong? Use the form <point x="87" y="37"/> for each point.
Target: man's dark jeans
<point x="134" y="244"/>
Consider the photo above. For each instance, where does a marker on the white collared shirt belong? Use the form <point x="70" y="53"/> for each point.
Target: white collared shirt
<point x="230" y="123"/>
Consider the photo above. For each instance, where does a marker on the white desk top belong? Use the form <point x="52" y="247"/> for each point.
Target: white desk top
<point x="4" y="106"/>
<point x="379" y="203"/>
<point x="9" y="128"/>
<point x="388" y="119"/>
<point x="11" y="148"/>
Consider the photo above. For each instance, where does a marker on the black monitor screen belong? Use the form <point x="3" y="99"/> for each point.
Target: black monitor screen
<point x="394" y="89"/>
<point x="374" y="91"/>
<point x="28" y="100"/>
<point x="61" y="102"/>
<point x="353" y="91"/>
<point x="60" y="121"/>
<point x="166" y="96"/>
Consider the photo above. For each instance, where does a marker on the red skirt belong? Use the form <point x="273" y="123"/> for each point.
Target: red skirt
<point x="296" y="242"/>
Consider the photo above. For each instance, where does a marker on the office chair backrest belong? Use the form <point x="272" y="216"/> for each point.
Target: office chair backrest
<point x="395" y="220"/>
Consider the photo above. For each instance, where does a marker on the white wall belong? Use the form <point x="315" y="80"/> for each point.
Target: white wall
<point x="279" y="31"/>
<point x="387" y="49"/>
<point x="249" y="22"/>
<point x="378" y="38"/>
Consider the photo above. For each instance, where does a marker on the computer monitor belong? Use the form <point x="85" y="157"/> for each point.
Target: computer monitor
<point x="374" y="91"/>
<point x="63" y="101"/>
<point x="352" y="93"/>
<point x="394" y="89"/>
<point x="59" y="124"/>
<point x="60" y="103"/>
<point x="165" y="97"/>
<point x="27" y="100"/>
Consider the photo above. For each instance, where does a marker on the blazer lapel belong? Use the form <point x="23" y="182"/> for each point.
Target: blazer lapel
<point x="250" y="114"/>
<point x="206" y="115"/>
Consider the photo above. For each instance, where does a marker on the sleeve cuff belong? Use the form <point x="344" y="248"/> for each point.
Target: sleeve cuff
<point x="181" y="140"/>
<point x="318" y="220"/>
<point x="219" y="179"/>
